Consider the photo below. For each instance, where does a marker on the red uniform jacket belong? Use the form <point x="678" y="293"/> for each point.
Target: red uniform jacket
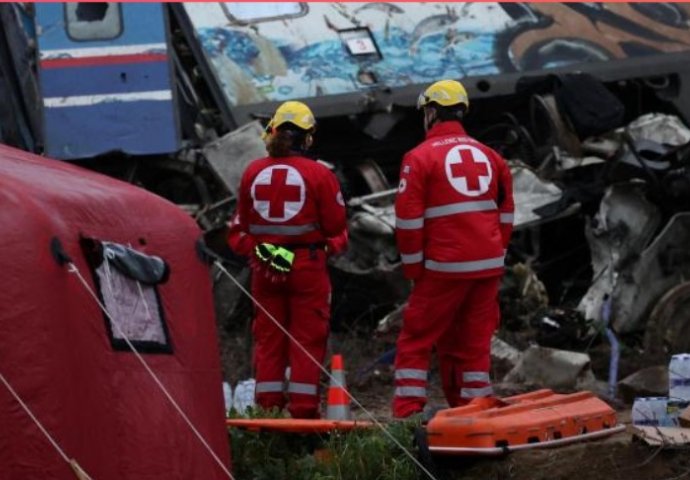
<point x="454" y="208"/>
<point x="289" y="200"/>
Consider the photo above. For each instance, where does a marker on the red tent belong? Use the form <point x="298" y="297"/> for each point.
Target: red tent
<point x="62" y="354"/>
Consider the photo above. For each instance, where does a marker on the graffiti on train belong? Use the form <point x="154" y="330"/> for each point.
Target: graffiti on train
<point x="279" y="51"/>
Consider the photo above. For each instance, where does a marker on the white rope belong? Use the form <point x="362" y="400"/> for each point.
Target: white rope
<point x="328" y="374"/>
<point x="28" y="411"/>
<point x="73" y="269"/>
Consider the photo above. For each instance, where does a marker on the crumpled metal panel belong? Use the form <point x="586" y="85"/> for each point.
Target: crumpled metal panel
<point x="662" y="265"/>
<point x="372" y="241"/>
<point x="24" y="104"/>
<point x="230" y="154"/>
<point x="634" y="272"/>
<point x="654" y="135"/>
<point x="660" y="128"/>
<point x="531" y="192"/>
<point x="624" y="225"/>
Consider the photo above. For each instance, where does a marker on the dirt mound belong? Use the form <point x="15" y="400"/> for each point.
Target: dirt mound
<point x="618" y="457"/>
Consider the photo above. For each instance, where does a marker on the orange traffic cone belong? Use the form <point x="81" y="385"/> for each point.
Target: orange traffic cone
<point x="338" y="407"/>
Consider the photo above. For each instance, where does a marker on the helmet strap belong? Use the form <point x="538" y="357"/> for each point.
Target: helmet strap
<point x="308" y="141"/>
<point x="430" y="117"/>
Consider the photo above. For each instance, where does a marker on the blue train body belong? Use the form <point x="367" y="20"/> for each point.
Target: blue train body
<point x="106" y="80"/>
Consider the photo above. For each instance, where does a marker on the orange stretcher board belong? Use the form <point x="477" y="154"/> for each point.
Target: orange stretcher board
<point x="540" y="419"/>
<point x="294" y="425"/>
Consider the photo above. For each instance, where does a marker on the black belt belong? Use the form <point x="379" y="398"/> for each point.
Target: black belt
<point x="304" y="246"/>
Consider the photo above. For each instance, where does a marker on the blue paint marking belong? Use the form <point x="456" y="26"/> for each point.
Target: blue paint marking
<point x="102" y="79"/>
<point x="84" y="132"/>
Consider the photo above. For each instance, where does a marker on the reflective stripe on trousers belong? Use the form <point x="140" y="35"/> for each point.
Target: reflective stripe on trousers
<point x="415" y="374"/>
<point x="473" y="266"/>
<point x="476" y="377"/>
<point x="303" y="388"/>
<point x="410" y="391"/>
<point x="409" y="258"/>
<point x="269" y="387"/>
<point x="410" y="374"/>
<point x="476" y="392"/>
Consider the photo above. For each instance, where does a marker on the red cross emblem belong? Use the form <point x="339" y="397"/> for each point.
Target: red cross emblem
<point x="278" y="192"/>
<point x="468" y="170"/>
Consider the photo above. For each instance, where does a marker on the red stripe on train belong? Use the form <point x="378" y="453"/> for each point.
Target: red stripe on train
<point x="68" y="62"/>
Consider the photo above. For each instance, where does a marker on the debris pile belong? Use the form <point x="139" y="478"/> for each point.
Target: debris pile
<point x="594" y="288"/>
<point x="594" y="285"/>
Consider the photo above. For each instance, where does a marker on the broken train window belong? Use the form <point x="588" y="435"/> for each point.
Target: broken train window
<point x="127" y="283"/>
<point x="93" y="20"/>
<point x="249" y="12"/>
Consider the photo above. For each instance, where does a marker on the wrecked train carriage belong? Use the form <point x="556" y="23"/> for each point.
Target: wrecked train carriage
<point x="214" y="68"/>
<point x="151" y="80"/>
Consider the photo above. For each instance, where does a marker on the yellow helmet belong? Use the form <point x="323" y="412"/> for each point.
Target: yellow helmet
<point x="446" y="93"/>
<point x="293" y="112"/>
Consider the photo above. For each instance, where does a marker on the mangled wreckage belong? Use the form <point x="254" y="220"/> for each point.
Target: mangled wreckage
<point x="599" y="158"/>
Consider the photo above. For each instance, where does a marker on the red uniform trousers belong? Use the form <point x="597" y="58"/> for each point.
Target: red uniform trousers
<point x="459" y="316"/>
<point x="301" y="303"/>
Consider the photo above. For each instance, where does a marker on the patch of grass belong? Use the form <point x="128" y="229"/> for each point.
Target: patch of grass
<point x="359" y="455"/>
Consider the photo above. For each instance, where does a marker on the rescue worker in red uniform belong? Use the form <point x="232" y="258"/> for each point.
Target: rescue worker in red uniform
<point x="454" y="216"/>
<point x="290" y="215"/>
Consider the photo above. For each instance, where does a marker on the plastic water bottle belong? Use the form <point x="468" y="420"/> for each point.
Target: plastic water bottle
<point x="244" y="395"/>
<point x="673" y="411"/>
<point x="227" y="396"/>
<point x="650" y="411"/>
<point x="679" y="378"/>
